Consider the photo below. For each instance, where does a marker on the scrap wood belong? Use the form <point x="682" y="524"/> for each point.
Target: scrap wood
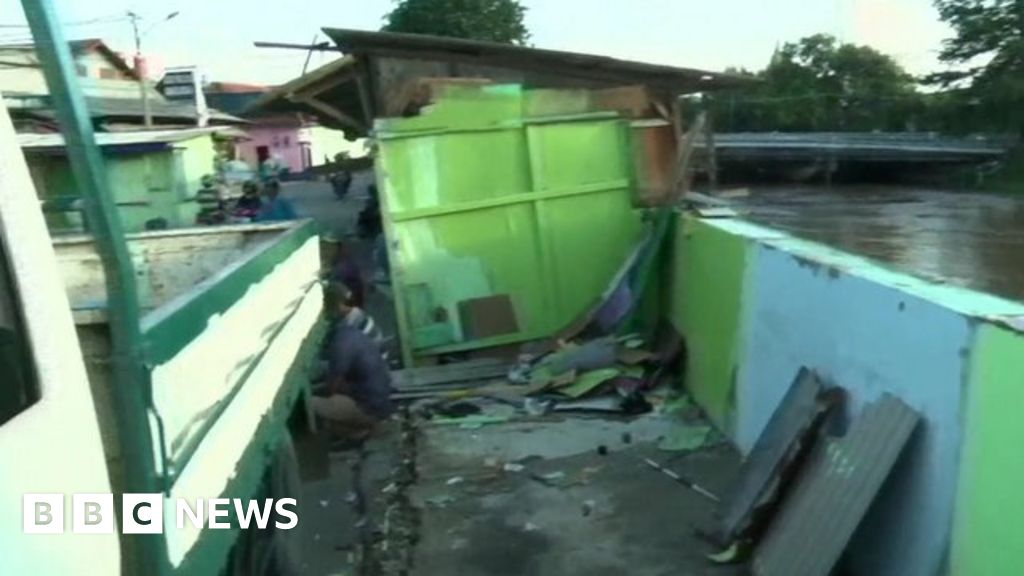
<point x="633" y="356"/>
<point x="834" y="491"/>
<point x="425" y="376"/>
<point x="785" y="439"/>
<point x="588" y="381"/>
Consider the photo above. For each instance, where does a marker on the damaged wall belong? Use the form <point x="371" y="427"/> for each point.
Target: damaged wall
<point x="707" y="281"/>
<point x="796" y="303"/>
<point x="986" y="533"/>
<point x="492" y="214"/>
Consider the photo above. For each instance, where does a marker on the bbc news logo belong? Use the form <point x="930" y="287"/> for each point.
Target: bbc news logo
<point x="144" y="513"/>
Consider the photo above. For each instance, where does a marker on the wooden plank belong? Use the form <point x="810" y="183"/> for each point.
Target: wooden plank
<point x="411" y="379"/>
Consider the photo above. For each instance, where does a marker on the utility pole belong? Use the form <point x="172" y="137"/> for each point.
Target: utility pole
<point x="140" y="70"/>
<point x="140" y="63"/>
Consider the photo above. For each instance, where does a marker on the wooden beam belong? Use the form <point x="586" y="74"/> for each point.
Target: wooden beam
<point x="328" y="110"/>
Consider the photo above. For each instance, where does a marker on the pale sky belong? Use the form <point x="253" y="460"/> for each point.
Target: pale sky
<point x="217" y="35"/>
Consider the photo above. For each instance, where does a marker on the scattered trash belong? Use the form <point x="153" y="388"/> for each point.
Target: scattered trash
<point x="491" y="462"/>
<point x="531" y="527"/>
<point x="513" y="467"/>
<point x="632" y="356"/>
<point x="588" y="381"/>
<point x="553" y="476"/>
<point x="604" y="405"/>
<point x="454" y="480"/>
<point x="591" y="355"/>
<point x="471" y="422"/>
<point x="627" y="438"/>
<point x="392" y="487"/>
<point x="440" y="501"/>
<point x="460" y="409"/>
<point x="685" y="438"/>
<point x="685" y="482"/>
<point x="538" y="406"/>
<point x="324" y="503"/>
<point x="588" y="507"/>
<point x="727" y="556"/>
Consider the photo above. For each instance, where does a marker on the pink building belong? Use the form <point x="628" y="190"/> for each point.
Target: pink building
<point x="294" y="139"/>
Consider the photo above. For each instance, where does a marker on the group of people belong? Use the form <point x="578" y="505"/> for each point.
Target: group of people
<point x="254" y="205"/>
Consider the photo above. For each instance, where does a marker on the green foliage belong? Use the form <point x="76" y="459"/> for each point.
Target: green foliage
<point x="988" y="45"/>
<point x="818" y="84"/>
<point x="492" y="20"/>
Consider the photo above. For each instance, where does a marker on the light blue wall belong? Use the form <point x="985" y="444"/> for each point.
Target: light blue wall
<point x="868" y="338"/>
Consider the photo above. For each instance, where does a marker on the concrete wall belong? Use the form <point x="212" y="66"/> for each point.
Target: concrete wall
<point x="868" y="330"/>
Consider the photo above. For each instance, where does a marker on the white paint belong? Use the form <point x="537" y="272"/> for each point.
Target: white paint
<point x="188" y="388"/>
<point x="53" y="446"/>
<point x="215" y="462"/>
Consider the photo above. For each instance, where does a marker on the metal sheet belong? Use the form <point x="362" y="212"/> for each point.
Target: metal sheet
<point x="784" y="438"/>
<point x="834" y="491"/>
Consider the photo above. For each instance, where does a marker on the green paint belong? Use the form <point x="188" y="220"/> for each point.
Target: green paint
<point x="494" y="205"/>
<point x="588" y="381"/>
<point x="707" y="272"/>
<point x="460" y="107"/>
<point x="145" y="185"/>
<point x="167" y="336"/>
<point x="988" y="537"/>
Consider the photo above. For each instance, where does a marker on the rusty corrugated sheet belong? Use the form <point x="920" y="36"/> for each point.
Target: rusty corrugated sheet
<point x="831" y="496"/>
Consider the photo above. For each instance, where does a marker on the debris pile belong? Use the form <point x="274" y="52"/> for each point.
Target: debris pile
<point x="800" y="483"/>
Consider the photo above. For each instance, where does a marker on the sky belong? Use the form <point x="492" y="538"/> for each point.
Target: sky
<point x="218" y="35"/>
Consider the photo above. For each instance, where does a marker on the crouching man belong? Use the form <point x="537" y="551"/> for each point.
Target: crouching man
<point x="357" y="392"/>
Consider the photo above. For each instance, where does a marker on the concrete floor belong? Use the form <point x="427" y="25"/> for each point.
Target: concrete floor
<point x="610" y="514"/>
<point x="461" y="511"/>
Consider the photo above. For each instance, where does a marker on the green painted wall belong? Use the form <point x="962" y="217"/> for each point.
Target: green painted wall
<point x="479" y="201"/>
<point x="705" y="305"/>
<point x="146" y="185"/>
<point x="988" y="536"/>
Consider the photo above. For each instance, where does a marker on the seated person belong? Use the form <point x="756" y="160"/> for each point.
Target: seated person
<point x="357" y="394"/>
<point x="275" y="208"/>
<point x="248" y="206"/>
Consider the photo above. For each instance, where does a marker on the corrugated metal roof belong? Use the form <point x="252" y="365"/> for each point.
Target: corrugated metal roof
<point x="121" y="138"/>
<point x="835" y="489"/>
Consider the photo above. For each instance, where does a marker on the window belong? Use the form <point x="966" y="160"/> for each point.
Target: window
<point x="18" y="386"/>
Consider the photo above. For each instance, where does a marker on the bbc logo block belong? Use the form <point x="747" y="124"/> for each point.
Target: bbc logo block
<point x="144" y="513"/>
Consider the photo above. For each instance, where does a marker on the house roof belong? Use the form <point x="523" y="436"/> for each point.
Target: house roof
<point x="233" y="88"/>
<point x="541" y="68"/>
<point x="346" y="94"/>
<point x="116" y="108"/>
<point x="78" y="46"/>
<point x="106" y="139"/>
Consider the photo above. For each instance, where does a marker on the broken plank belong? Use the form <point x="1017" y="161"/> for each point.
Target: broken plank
<point x="833" y="492"/>
<point x="784" y="438"/>
<point x="482" y="369"/>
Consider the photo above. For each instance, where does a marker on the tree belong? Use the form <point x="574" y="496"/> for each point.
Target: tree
<point x="988" y="46"/>
<point x="492" y="20"/>
<point x="819" y="84"/>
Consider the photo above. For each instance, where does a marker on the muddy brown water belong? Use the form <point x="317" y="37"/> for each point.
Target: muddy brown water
<point x="971" y="240"/>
